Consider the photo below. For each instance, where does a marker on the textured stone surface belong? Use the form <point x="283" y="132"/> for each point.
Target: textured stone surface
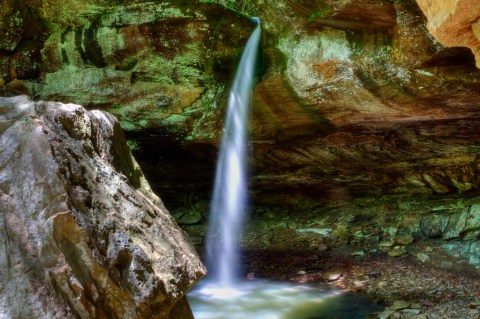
<point x="358" y="110"/>
<point x="159" y="65"/>
<point x="454" y="23"/>
<point x="83" y="236"/>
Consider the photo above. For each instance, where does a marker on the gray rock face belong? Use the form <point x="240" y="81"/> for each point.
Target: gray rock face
<point x="82" y="235"/>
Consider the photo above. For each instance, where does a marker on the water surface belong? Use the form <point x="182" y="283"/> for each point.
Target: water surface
<point x="262" y="299"/>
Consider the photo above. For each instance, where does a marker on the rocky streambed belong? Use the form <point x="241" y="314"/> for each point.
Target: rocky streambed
<point x="407" y="286"/>
<point x="417" y="258"/>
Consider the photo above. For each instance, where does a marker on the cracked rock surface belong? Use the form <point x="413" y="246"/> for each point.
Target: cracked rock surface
<point x="82" y="234"/>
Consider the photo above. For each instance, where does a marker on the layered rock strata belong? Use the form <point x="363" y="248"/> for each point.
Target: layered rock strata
<point x="83" y="236"/>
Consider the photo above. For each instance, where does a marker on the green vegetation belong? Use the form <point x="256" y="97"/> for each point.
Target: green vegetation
<point x="324" y="12"/>
<point x="244" y="7"/>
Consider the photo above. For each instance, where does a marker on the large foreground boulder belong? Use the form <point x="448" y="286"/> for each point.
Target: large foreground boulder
<point x="81" y="233"/>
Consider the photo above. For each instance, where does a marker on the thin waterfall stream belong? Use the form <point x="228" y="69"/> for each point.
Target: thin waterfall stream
<point x="230" y="189"/>
<point x="223" y="294"/>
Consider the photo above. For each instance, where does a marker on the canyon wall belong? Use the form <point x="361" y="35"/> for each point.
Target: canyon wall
<point x="361" y="118"/>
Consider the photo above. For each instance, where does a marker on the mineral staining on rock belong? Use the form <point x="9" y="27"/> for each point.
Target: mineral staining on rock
<point x="83" y="234"/>
<point x="359" y="110"/>
<point x="151" y="63"/>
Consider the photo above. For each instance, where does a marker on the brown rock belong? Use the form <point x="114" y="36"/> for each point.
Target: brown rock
<point x="83" y="235"/>
<point x="454" y="22"/>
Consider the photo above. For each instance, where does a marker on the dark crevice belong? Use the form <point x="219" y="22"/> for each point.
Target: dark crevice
<point x="93" y="51"/>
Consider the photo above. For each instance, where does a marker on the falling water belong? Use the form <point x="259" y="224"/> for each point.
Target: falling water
<point x="222" y="295"/>
<point x="230" y="191"/>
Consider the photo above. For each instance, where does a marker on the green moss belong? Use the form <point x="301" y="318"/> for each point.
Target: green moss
<point x="133" y="145"/>
<point x="324" y="12"/>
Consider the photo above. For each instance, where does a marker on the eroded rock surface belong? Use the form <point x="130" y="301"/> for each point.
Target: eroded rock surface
<point x="158" y="65"/>
<point x="83" y="236"/>
<point x="454" y="23"/>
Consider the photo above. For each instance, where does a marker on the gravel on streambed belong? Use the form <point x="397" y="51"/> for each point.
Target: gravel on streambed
<point x="441" y="287"/>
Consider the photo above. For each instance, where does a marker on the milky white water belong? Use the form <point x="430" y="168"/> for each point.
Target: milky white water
<point x="261" y="299"/>
<point x="229" y="200"/>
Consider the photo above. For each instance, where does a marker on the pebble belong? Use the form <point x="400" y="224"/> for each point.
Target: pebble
<point x="411" y="311"/>
<point x="332" y="275"/>
<point x="423" y="257"/>
<point x="358" y="253"/>
<point x="474" y="313"/>
<point x="385" y="314"/>
<point x="446" y="264"/>
<point x="397" y="251"/>
<point x="325" y="232"/>
<point x="386" y="244"/>
<point x="322" y="247"/>
<point x="399" y="305"/>
<point x="404" y="240"/>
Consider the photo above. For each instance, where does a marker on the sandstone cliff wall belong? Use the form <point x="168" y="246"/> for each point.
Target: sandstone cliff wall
<point x="455" y="23"/>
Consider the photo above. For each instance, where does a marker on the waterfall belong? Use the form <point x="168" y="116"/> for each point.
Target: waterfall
<point x="229" y="201"/>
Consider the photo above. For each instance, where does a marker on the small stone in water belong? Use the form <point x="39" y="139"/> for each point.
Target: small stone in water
<point x="301" y="273"/>
<point x="332" y="275"/>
